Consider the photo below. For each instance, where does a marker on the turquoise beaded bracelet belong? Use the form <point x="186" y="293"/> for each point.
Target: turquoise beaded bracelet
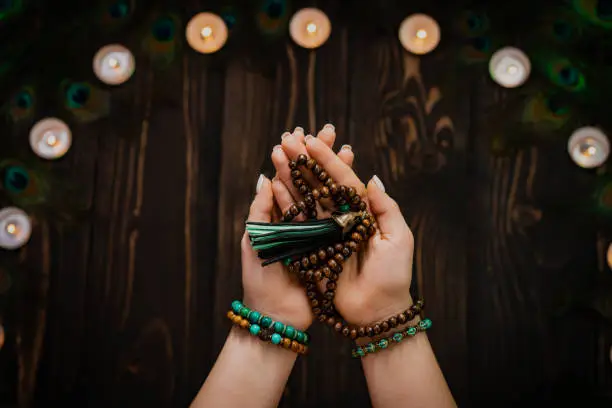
<point x="382" y="344"/>
<point x="266" y="322"/>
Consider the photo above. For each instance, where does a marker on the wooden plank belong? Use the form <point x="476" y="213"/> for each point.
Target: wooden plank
<point x="520" y="259"/>
<point x="401" y="130"/>
<point x="247" y="110"/>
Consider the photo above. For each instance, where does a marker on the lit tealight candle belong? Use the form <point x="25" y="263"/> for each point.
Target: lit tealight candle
<point x="114" y="64"/>
<point x="50" y="138"/>
<point x="509" y="67"/>
<point x="310" y="28"/>
<point x="419" y="34"/>
<point x="588" y="147"/>
<point x="206" y="33"/>
<point x="15" y="228"/>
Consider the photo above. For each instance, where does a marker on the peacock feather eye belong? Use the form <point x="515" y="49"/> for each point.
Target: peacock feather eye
<point x="161" y="43"/>
<point x="86" y="102"/>
<point x="77" y="95"/>
<point x="16" y="179"/>
<point x="119" y="9"/>
<point x="598" y="12"/>
<point x="164" y="29"/>
<point x="22" y="104"/>
<point x="472" y="23"/>
<point x="229" y="15"/>
<point x="273" y="17"/>
<point x="562" y="73"/>
<point x="546" y="111"/>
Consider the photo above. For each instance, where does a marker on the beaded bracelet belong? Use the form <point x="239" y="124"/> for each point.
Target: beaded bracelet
<point x="382" y="344"/>
<point x="266" y="322"/>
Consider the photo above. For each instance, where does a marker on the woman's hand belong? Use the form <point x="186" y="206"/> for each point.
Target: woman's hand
<point x="376" y="284"/>
<point x="270" y="290"/>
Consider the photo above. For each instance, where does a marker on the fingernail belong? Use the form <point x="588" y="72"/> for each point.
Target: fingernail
<point x="308" y="137"/>
<point x="378" y="183"/>
<point x="260" y="182"/>
<point x="298" y="130"/>
<point x="284" y="135"/>
<point x="329" y="128"/>
<point x="346" y="147"/>
<point x="277" y="147"/>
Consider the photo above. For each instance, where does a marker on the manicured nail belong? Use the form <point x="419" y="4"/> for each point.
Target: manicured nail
<point x="346" y="147"/>
<point x="329" y="128"/>
<point x="298" y="130"/>
<point x="284" y="135"/>
<point x="277" y="147"/>
<point x="378" y="183"/>
<point x="260" y="182"/>
<point x="307" y="138"/>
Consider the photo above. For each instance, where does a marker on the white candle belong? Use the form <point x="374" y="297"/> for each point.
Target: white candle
<point x="509" y="67"/>
<point x="419" y="34"/>
<point x="588" y="147"/>
<point x="15" y="228"/>
<point x="206" y="33"/>
<point x="114" y="64"/>
<point x="310" y="28"/>
<point x="50" y="138"/>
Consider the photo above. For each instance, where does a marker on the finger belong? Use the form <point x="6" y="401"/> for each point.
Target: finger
<point x="388" y="215"/>
<point x="298" y="132"/>
<point x="283" y="198"/>
<point x="346" y="155"/>
<point x="293" y="148"/>
<point x="260" y="211"/>
<point x="328" y="135"/>
<point x="263" y="203"/>
<point x="335" y="167"/>
<point x="283" y="172"/>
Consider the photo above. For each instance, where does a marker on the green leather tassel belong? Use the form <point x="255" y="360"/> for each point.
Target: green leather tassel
<point x="285" y="240"/>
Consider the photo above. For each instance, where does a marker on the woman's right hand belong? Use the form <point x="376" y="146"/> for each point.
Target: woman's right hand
<point x="378" y="286"/>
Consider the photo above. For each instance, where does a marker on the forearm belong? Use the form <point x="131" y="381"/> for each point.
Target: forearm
<point x="407" y="372"/>
<point x="248" y="372"/>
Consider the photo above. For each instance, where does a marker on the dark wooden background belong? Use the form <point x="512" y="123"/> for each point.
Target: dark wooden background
<point x="128" y="309"/>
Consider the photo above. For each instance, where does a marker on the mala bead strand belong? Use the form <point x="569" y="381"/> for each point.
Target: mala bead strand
<point x="328" y="262"/>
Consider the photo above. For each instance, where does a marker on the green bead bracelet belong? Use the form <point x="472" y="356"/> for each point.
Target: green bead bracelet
<point x="395" y="338"/>
<point x="266" y="322"/>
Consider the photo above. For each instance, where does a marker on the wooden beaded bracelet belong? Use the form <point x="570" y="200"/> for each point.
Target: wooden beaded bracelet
<point x="267" y="334"/>
<point x="396" y="338"/>
<point x="266" y="322"/>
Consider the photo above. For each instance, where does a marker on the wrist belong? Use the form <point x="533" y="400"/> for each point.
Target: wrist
<point x="365" y="340"/>
<point x="244" y="343"/>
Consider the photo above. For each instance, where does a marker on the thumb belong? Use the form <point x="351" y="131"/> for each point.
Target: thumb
<point x="260" y="211"/>
<point x="386" y="211"/>
<point x="262" y="205"/>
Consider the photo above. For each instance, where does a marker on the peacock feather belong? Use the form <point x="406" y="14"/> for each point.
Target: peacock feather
<point x="472" y="24"/>
<point x="22" y="104"/>
<point x="84" y="101"/>
<point x="476" y="50"/>
<point x="546" y="112"/>
<point x="162" y="40"/>
<point x="273" y="17"/>
<point x="116" y="13"/>
<point x="230" y="16"/>
<point x="25" y="186"/>
<point x="10" y="8"/>
<point x="597" y="12"/>
<point x="563" y="73"/>
<point x="560" y="26"/>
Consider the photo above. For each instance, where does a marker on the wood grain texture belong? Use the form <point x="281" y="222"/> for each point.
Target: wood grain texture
<point x="138" y="290"/>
